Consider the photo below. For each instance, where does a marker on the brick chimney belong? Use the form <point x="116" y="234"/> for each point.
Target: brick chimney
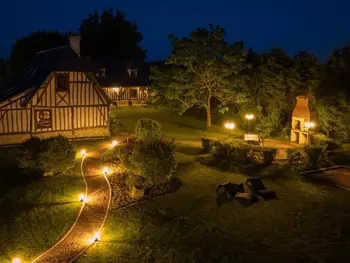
<point x="74" y="43"/>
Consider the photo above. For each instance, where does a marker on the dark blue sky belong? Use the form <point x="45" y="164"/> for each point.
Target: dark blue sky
<point x="314" y="25"/>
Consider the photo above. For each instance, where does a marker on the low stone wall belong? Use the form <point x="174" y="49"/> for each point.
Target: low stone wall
<point x="77" y="134"/>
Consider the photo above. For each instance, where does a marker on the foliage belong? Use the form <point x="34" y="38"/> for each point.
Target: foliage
<point x="207" y="144"/>
<point x="28" y="153"/>
<point x="233" y="153"/>
<point x="155" y="161"/>
<point x="56" y="154"/>
<point x="269" y="155"/>
<point x="52" y="155"/>
<point x="203" y="67"/>
<point x="110" y="35"/>
<point x="148" y="130"/>
<point x="24" y="50"/>
<point x="297" y="157"/>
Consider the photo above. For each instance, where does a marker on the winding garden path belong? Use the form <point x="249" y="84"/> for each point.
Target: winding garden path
<point x="92" y="215"/>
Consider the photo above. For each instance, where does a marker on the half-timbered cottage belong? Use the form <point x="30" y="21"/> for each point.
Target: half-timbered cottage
<point x="125" y="82"/>
<point x="58" y="95"/>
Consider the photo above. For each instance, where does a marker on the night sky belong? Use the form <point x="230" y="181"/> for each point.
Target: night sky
<point x="314" y="25"/>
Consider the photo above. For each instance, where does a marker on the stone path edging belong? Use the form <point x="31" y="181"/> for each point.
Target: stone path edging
<point x="41" y="258"/>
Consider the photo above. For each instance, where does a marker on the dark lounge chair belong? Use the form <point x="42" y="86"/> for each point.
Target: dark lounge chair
<point x="257" y="187"/>
<point x="237" y="191"/>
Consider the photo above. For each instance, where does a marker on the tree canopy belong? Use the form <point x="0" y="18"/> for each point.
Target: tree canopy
<point x="110" y="35"/>
<point x="26" y="48"/>
<point x="202" y="67"/>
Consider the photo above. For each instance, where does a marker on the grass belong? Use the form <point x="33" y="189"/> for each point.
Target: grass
<point x="308" y="223"/>
<point x="35" y="211"/>
<point x="173" y="125"/>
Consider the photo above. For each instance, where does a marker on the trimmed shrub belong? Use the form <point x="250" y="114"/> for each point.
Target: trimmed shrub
<point x="297" y="157"/>
<point x="231" y="152"/>
<point x="52" y="155"/>
<point x="148" y="130"/>
<point x="155" y="161"/>
<point x="28" y="153"/>
<point x="207" y="144"/>
<point x="269" y="155"/>
<point x="56" y="155"/>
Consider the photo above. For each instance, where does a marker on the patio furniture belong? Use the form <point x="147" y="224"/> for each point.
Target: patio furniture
<point x="257" y="187"/>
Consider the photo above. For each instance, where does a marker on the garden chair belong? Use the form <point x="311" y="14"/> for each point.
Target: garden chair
<point x="257" y="187"/>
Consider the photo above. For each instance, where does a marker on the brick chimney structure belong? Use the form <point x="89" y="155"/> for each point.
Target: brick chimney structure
<point x="74" y="43"/>
<point x="301" y="114"/>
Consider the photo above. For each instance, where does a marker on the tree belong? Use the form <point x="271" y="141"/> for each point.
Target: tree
<point x="202" y="67"/>
<point x="24" y="50"/>
<point x="109" y="35"/>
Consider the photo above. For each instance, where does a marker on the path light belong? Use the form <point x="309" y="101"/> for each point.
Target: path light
<point x="83" y="152"/>
<point x="16" y="260"/>
<point x="114" y="143"/>
<point x="105" y="171"/>
<point x="96" y="238"/>
<point x="82" y="198"/>
<point x="230" y="125"/>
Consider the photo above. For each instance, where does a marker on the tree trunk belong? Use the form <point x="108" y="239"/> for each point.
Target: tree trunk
<point x="208" y="114"/>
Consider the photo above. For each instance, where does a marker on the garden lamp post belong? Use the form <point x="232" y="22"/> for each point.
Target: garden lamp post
<point x="309" y="125"/>
<point x="16" y="260"/>
<point x="249" y="117"/>
<point x="229" y="126"/>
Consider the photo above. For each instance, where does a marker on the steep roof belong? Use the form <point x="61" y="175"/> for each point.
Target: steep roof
<point x="116" y="73"/>
<point x="45" y="62"/>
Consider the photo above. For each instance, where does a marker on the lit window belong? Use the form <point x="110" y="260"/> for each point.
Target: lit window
<point x="132" y="73"/>
<point x="62" y="82"/>
<point x="43" y="119"/>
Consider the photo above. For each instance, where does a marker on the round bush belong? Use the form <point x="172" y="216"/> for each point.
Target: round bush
<point x="148" y="130"/>
<point x="155" y="161"/>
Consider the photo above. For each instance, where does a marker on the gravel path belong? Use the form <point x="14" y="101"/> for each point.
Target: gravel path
<point x="91" y="217"/>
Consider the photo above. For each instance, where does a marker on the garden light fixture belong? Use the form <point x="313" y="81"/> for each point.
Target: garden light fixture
<point x="16" y="260"/>
<point x="310" y="124"/>
<point x="230" y="125"/>
<point x="96" y="238"/>
<point x="83" y="152"/>
<point x="82" y="198"/>
<point x="249" y="116"/>
<point x="114" y="143"/>
<point x="105" y="171"/>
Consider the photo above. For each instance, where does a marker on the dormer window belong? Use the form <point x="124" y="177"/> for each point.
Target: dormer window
<point x="132" y="73"/>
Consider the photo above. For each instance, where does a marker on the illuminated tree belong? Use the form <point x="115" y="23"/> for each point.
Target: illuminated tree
<point x="202" y="68"/>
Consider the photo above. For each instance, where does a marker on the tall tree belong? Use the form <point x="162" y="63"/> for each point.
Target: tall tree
<point x="110" y="35"/>
<point x="203" y="67"/>
<point x="26" y="48"/>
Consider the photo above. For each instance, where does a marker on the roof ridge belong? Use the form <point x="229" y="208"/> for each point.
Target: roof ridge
<point x="50" y="49"/>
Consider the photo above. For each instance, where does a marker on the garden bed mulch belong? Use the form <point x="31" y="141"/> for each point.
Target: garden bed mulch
<point x="121" y="190"/>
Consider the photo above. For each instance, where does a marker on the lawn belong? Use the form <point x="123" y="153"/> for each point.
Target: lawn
<point x="35" y="211"/>
<point x="173" y="125"/>
<point x="308" y="223"/>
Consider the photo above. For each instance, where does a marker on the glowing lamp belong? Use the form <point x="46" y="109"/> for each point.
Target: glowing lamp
<point x="249" y="116"/>
<point x="310" y="124"/>
<point x="16" y="260"/>
<point x="116" y="90"/>
<point x="97" y="237"/>
<point x="83" y="152"/>
<point x="114" y="143"/>
<point x="82" y="198"/>
<point x="105" y="171"/>
<point x="230" y="125"/>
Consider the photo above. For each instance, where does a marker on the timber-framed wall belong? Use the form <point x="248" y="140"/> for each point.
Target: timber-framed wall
<point x="79" y="111"/>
